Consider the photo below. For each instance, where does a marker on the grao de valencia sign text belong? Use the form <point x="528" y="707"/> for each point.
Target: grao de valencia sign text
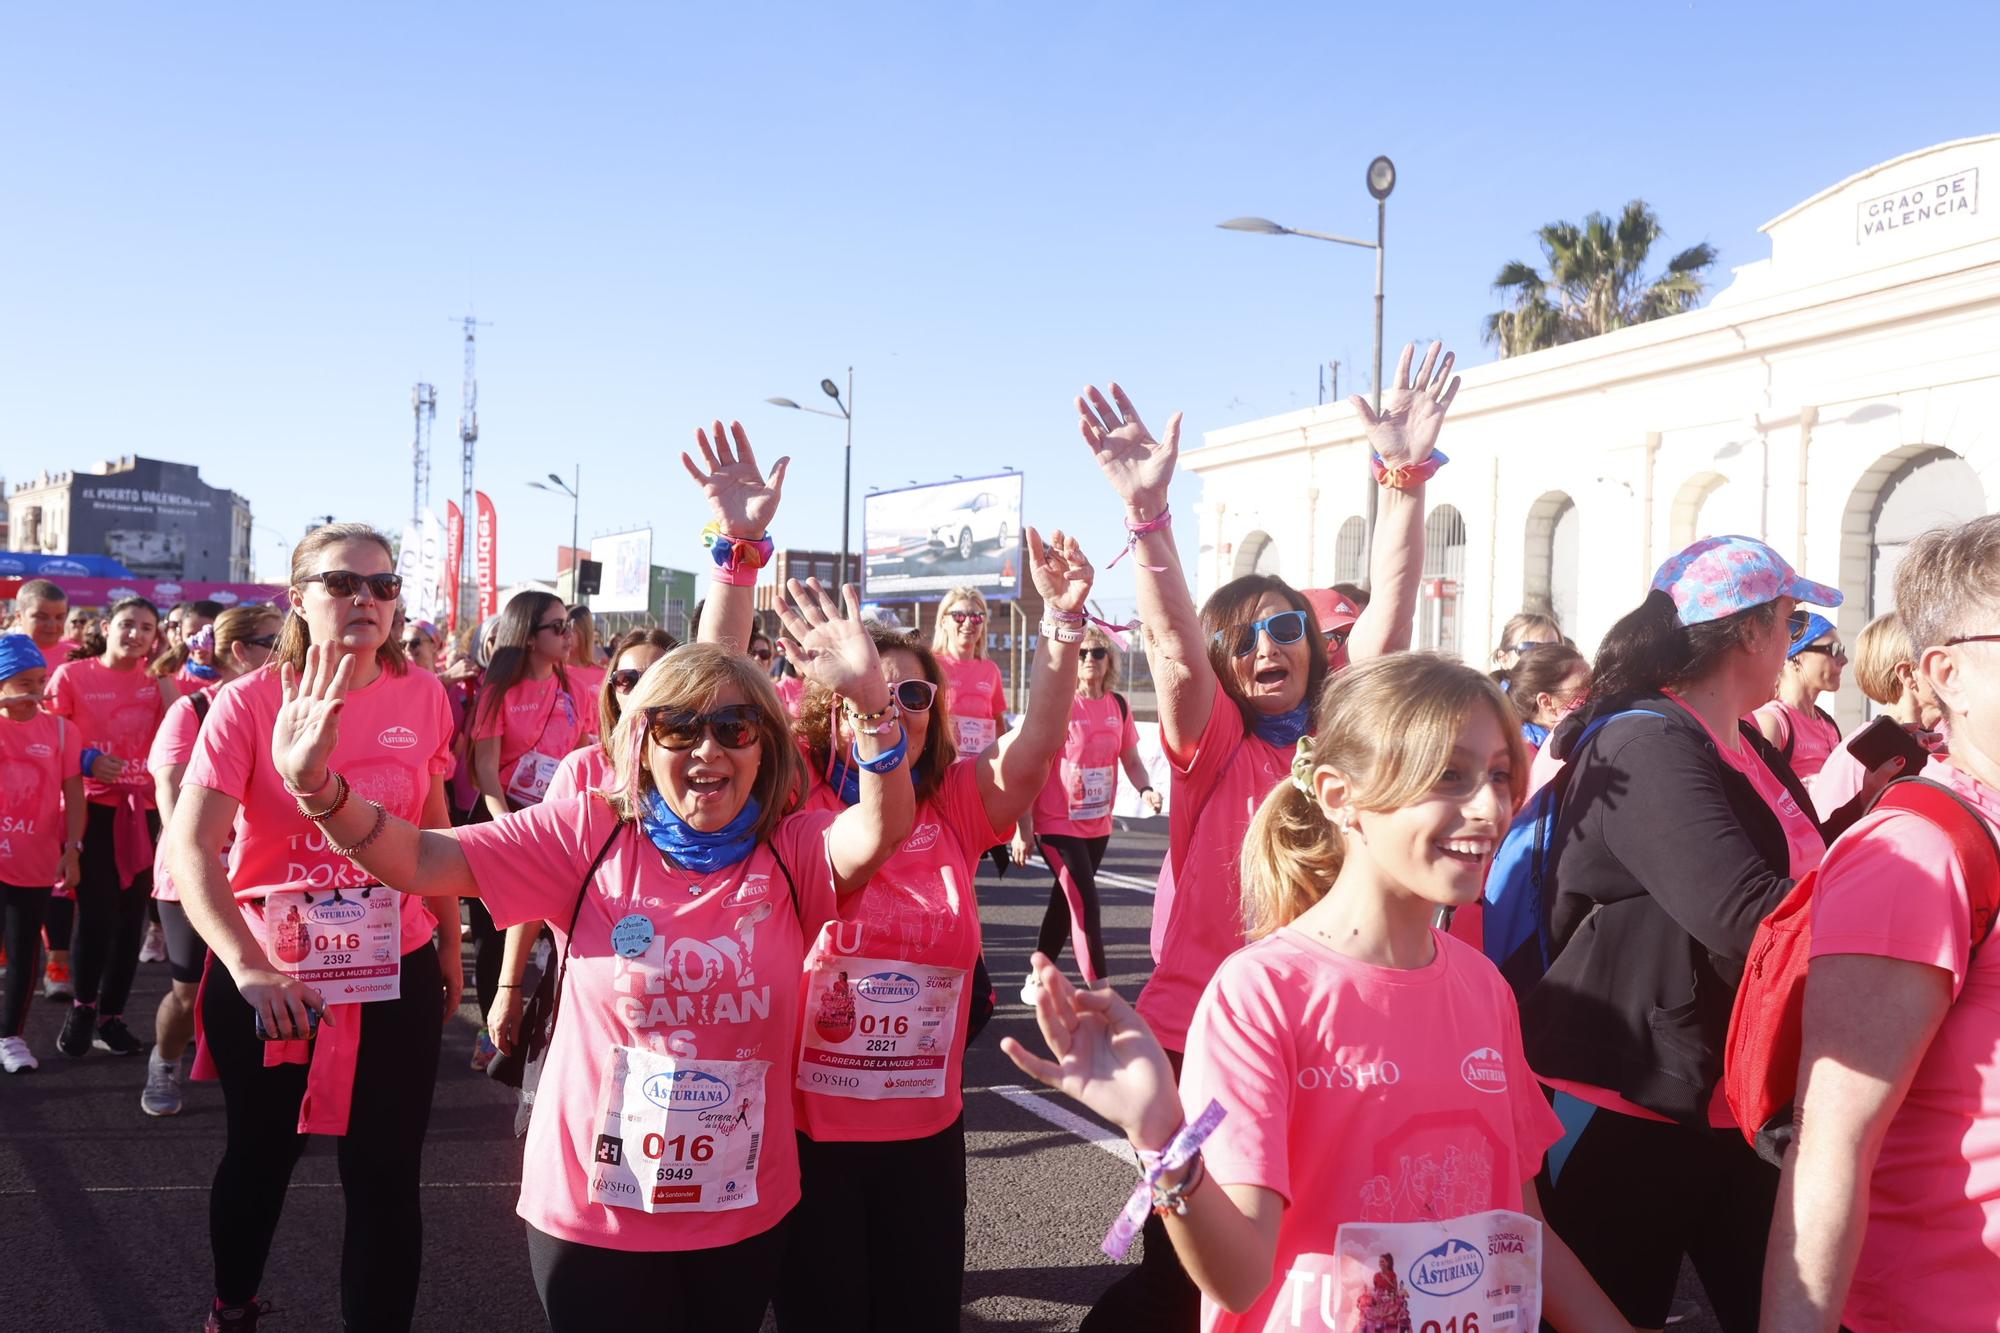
<point x="1917" y="206"/>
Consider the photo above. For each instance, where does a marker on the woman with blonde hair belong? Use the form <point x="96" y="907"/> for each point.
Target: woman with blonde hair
<point x="1885" y="667"/>
<point x="1348" y="1036"/>
<point x="975" y="696"/>
<point x="1529" y="629"/>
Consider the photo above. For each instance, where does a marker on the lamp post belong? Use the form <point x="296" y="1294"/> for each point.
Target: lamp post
<point x="557" y="486"/>
<point x="832" y="390"/>
<point x="1381" y="182"/>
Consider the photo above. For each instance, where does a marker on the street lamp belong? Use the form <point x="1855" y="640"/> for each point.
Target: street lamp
<point x="1381" y="181"/>
<point x="832" y="390"/>
<point x="557" y="486"/>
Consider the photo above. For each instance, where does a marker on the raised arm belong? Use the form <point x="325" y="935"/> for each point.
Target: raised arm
<point x="1405" y="436"/>
<point x="1140" y="469"/>
<point x="1013" y="771"/>
<point x="742" y="504"/>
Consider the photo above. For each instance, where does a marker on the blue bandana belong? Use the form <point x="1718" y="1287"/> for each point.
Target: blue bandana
<point x="198" y="671"/>
<point x="700" y="852"/>
<point x="1284" y="729"/>
<point x="17" y="654"/>
<point x="847" y="781"/>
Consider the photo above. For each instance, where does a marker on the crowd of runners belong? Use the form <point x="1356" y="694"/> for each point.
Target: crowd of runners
<point x="720" y="897"/>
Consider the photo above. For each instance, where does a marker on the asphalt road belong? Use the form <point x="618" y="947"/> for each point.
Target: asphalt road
<point x="104" y="1210"/>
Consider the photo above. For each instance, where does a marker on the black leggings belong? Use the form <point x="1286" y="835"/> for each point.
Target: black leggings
<point x="110" y="917"/>
<point x="187" y="951"/>
<point x="878" y="1241"/>
<point x="721" y="1290"/>
<point x="60" y="923"/>
<point x="1081" y="856"/>
<point x="24" y="909"/>
<point x="380" y="1155"/>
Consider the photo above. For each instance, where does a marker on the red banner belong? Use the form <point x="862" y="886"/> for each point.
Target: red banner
<point x="454" y="540"/>
<point x="485" y="558"/>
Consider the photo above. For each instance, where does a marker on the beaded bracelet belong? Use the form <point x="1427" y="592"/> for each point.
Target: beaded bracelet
<point x="1405" y="478"/>
<point x="1173" y="1198"/>
<point x="339" y="800"/>
<point x="381" y="822"/>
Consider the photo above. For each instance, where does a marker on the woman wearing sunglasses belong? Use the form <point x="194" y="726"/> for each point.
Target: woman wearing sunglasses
<point x="1803" y="732"/>
<point x="886" y="1002"/>
<point x="244" y="639"/>
<point x="661" y="1164"/>
<point x="293" y="916"/>
<point x="975" y="696"/>
<point x="422" y="644"/>
<point x="1236" y="682"/>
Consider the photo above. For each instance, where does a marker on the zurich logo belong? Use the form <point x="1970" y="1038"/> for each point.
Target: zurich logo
<point x="686" y="1090"/>
<point x="335" y="912"/>
<point x="1447" y="1270"/>
<point x="887" y="988"/>
<point x="398" y="738"/>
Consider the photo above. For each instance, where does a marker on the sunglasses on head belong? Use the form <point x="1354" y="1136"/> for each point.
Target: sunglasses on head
<point x="347" y="583"/>
<point x="962" y="617"/>
<point x="1092" y="654"/>
<point x="624" y="679"/>
<point x="737" y="727"/>
<point x="1285" y="627"/>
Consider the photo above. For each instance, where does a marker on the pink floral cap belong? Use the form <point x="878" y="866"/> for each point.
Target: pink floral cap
<point x="1719" y="576"/>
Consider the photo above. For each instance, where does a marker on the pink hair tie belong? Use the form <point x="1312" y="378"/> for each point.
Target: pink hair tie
<point x="1134" y="531"/>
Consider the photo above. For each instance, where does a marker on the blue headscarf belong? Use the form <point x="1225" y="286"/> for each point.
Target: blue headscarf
<point x="18" y="653"/>
<point x="1284" y="729"/>
<point x="700" y="852"/>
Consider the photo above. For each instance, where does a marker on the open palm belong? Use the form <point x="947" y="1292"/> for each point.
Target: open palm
<point x="830" y="646"/>
<point x="1138" y="466"/>
<point x="1406" y="430"/>
<point x="1105" y="1057"/>
<point x="308" y="723"/>
<point x="743" y="500"/>
<point x="1062" y="575"/>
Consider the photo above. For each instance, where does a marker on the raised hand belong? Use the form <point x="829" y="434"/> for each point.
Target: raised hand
<point x="1406" y="430"/>
<point x="743" y="500"/>
<point x="1105" y="1057"/>
<point x="1138" y="466"/>
<point x="1062" y="575"/>
<point x="308" y="725"/>
<point x="830" y="646"/>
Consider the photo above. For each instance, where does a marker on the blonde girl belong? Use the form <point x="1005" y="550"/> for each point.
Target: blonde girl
<point x="975" y="696"/>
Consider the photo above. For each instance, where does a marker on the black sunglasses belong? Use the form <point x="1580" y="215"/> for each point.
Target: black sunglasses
<point x="625" y="679"/>
<point x="1092" y="654"/>
<point x="737" y="727"/>
<point x="555" y="627"/>
<point x="1285" y="627"/>
<point x="1837" y="651"/>
<point x="1337" y="638"/>
<point x="347" y="583"/>
<point x="761" y="656"/>
<point x="263" y="641"/>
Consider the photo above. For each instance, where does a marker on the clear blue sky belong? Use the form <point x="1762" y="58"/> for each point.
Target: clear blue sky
<point x="234" y="234"/>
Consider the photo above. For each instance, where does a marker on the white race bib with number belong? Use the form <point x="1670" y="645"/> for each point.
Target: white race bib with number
<point x="975" y="734"/>
<point x="879" y="1028"/>
<point x="1090" y="798"/>
<point x="677" y="1136"/>
<point x="344" y="943"/>
<point x="1476" y="1274"/>
<point x="531" y="778"/>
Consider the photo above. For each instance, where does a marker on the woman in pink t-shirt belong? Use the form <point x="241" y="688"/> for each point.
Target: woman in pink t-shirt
<point x="292" y="915"/>
<point x="1885" y="667"/>
<point x="885" y="994"/>
<point x="1376" y="1108"/>
<point x="117" y="707"/>
<point x="1797" y="727"/>
<point x="244" y="639"/>
<point x="1070" y="825"/>
<point x="975" y="696"/>
<point x="1236" y="682"/>
<point x="586" y="665"/>
<point x="661" y="1163"/>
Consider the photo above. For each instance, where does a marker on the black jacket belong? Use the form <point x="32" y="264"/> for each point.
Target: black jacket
<point x="1667" y="859"/>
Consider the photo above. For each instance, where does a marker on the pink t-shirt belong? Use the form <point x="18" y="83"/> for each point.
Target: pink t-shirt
<point x="1840" y="777"/>
<point x="35" y="757"/>
<point x="580" y="771"/>
<point x="395" y="736"/>
<point x="976" y="700"/>
<point x="58" y="654"/>
<point x="585" y="682"/>
<point x="1360" y="1094"/>
<point x="1893" y="887"/>
<point x="717" y="979"/>
<point x="919" y="908"/>
<point x="791" y="689"/>
<point x="117" y="712"/>
<point x="537" y="716"/>
<point x="1198" y="909"/>
<point x="1813" y="738"/>
<point x="173" y="744"/>
<point x="1076" y="801"/>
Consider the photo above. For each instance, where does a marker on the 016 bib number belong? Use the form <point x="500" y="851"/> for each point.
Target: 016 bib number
<point x="879" y="1028"/>
<point x="345" y="943"/>
<point x="677" y="1136"/>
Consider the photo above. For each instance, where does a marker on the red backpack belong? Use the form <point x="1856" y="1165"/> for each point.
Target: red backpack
<point x="1766" y="1028"/>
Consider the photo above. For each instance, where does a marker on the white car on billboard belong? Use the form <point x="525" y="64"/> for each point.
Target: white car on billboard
<point x="980" y="520"/>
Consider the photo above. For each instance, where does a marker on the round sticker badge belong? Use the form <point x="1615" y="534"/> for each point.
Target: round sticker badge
<point x="633" y="935"/>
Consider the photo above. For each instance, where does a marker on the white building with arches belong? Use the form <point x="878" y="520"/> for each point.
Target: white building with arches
<point x="1834" y="399"/>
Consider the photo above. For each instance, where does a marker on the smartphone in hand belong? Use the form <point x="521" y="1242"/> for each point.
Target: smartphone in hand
<point x="312" y="1024"/>
<point x="1884" y="739"/>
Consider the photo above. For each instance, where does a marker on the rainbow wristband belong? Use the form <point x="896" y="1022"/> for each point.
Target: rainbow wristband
<point x="737" y="559"/>
<point x="1407" y="478"/>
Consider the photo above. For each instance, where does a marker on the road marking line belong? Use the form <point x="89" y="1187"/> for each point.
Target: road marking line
<point x="1125" y="882"/>
<point x="297" y="1185"/>
<point x="1089" y="1131"/>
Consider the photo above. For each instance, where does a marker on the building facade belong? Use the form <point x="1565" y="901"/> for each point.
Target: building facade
<point x="1835" y="399"/>
<point x="159" y="519"/>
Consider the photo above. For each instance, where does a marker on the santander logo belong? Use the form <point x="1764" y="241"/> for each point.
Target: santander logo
<point x="398" y="738"/>
<point x="1484" y="1070"/>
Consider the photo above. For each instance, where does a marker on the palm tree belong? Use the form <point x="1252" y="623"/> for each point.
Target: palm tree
<point x="1594" y="282"/>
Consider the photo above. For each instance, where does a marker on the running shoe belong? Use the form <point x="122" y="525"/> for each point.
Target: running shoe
<point x="1031" y="990"/>
<point x="77" y="1030"/>
<point x="15" y="1057"/>
<point x="154" y="950"/>
<point x="163" y="1087"/>
<point x="235" y="1318"/>
<point x="483" y="1051"/>
<point x="55" y="981"/>
<point x="115" y="1037"/>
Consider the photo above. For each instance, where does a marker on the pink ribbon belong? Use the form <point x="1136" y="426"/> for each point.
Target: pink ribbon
<point x="1134" y="531"/>
<point x="1178" y="1154"/>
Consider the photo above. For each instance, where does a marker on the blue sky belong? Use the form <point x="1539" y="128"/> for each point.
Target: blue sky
<point x="235" y="234"/>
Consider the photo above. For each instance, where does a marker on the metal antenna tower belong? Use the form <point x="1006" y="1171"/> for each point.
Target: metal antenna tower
<point x="424" y="400"/>
<point x="468" y="437"/>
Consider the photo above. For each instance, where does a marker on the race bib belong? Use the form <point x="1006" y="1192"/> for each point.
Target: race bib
<point x="344" y="943"/>
<point x="1090" y="795"/>
<point x="975" y="734"/>
<point x="878" y="1028"/>
<point x="531" y="778"/>
<point x="677" y="1136"/>
<point x="1474" y="1274"/>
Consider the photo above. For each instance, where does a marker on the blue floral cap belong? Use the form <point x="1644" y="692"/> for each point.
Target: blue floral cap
<point x="1719" y="576"/>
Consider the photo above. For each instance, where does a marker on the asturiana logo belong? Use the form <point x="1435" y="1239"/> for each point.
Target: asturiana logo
<point x="687" y="1090"/>
<point x="73" y="568"/>
<point x="166" y="591"/>
<point x="226" y="597"/>
<point x="1447" y="1270"/>
<point x="398" y="738"/>
<point x="1484" y="1070"/>
<point x="335" y="912"/>
<point x="887" y="988"/>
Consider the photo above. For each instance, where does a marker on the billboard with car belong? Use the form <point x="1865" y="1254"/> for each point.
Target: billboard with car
<point x="922" y="541"/>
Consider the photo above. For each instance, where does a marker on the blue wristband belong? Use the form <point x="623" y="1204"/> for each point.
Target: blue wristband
<point x="90" y="758"/>
<point x="885" y="762"/>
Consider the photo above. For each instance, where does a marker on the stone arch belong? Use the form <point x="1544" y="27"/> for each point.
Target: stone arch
<point x="1709" y="504"/>
<point x="1907" y="490"/>
<point x="1256" y="554"/>
<point x="1350" y="551"/>
<point x="1551" y="558"/>
<point x="1438" y="627"/>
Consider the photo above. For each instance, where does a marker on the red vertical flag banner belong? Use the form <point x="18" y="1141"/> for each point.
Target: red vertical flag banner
<point x="454" y="540"/>
<point x="485" y="557"/>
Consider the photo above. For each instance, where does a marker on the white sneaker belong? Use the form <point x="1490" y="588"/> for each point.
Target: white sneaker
<point x="154" y="950"/>
<point x="15" y="1057"/>
<point x="163" y="1087"/>
<point x="1031" y="990"/>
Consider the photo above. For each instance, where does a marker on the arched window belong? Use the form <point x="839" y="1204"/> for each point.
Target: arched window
<point x="1929" y="488"/>
<point x="1443" y="581"/>
<point x="1550" y="583"/>
<point x="1257" y="554"/>
<point x="1350" y="551"/>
